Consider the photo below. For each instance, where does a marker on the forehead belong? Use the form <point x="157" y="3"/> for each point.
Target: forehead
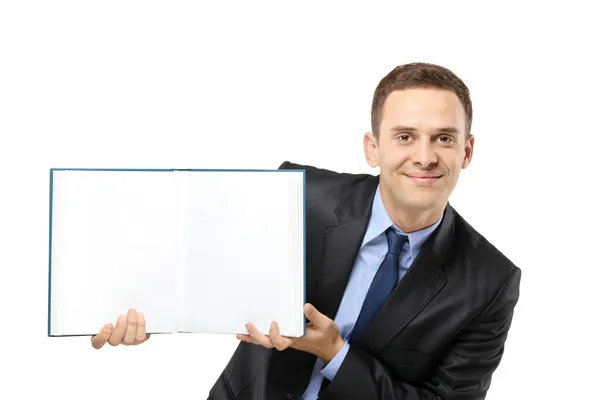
<point x="423" y="107"/>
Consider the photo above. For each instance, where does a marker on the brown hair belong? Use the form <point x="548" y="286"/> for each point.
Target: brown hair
<point x="420" y="75"/>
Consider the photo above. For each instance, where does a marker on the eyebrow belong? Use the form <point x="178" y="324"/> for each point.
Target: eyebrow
<point x="446" y="129"/>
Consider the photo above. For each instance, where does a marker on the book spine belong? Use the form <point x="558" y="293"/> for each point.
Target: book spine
<point x="50" y="256"/>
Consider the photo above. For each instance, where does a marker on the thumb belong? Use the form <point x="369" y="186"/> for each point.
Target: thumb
<point x="314" y="315"/>
<point x="102" y="337"/>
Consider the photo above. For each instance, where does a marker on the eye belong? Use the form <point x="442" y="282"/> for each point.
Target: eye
<point x="404" y="138"/>
<point x="446" y="139"/>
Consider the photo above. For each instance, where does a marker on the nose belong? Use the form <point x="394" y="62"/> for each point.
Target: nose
<point x="424" y="154"/>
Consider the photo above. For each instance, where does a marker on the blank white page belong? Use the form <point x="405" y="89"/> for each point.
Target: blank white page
<point x="245" y="251"/>
<point x="115" y="239"/>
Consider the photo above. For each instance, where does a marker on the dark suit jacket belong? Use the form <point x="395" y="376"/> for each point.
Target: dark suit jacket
<point x="440" y="335"/>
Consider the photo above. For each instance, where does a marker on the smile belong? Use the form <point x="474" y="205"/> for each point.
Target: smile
<point x="424" y="180"/>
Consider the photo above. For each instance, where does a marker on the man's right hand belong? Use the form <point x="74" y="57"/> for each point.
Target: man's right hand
<point x="130" y="330"/>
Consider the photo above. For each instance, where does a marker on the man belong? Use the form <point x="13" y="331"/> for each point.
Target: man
<point x="405" y="299"/>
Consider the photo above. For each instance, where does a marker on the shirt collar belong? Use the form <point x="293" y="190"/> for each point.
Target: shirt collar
<point x="380" y="221"/>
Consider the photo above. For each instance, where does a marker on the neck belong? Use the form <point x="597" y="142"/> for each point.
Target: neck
<point x="411" y="219"/>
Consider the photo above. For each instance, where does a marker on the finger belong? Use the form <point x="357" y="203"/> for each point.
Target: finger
<point x="140" y="335"/>
<point x="319" y="320"/>
<point x="245" y="338"/>
<point x="132" y="322"/>
<point x="119" y="332"/>
<point x="280" y="342"/>
<point x="100" y="339"/>
<point x="258" y="337"/>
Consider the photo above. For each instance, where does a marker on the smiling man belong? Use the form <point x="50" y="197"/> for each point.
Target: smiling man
<point x="406" y="300"/>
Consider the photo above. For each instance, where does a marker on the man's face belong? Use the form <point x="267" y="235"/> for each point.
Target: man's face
<point x="421" y="147"/>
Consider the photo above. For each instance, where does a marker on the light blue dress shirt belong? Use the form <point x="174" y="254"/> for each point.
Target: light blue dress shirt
<point x="371" y="254"/>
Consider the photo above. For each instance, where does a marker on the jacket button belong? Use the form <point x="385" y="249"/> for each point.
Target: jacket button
<point x="289" y="396"/>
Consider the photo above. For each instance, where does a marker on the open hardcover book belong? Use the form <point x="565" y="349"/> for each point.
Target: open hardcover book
<point x="202" y="251"/>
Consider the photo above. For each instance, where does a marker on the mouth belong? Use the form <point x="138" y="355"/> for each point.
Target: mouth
<point x="424" y="180"/>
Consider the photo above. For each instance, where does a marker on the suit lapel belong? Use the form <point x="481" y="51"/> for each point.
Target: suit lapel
<point x="342" y="243"/>
<point x="422" y="282"/>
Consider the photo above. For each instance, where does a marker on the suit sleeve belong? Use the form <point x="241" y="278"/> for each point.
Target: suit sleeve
<point x="221" y="390"/>
<point x="464" y="373"/>
<point x="286" y="165"/>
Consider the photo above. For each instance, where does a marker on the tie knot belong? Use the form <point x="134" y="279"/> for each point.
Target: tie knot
<point x="395" y="241"/>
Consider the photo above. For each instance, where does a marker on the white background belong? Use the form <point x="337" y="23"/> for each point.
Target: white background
<point x="176" y="84"/>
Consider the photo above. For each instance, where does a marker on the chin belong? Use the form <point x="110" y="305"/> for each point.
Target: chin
<point x="421" y="203"/>
<point x="422" y="206"/>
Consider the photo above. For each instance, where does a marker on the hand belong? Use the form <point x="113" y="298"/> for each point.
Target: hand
<point x="130" y="330"/>
<point x="322" y="336"/>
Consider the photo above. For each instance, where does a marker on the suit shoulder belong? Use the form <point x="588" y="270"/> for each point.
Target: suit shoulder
<point x="483" y="271"/>
<point x="327" y="189"/>
<point x="326" y="177"/>
<point x="476" y="247"/>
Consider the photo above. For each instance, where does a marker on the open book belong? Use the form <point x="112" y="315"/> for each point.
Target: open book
<point x="195" y="250"/>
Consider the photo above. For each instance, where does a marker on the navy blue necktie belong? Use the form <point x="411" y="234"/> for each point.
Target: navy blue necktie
<point x="384" y="282"/>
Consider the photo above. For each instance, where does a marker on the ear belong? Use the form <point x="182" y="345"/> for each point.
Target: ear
<point x="370" y="147"/>
<point x="468" y="152"/>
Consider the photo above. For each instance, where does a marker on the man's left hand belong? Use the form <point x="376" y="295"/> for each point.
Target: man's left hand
<point x="322" y="336"/>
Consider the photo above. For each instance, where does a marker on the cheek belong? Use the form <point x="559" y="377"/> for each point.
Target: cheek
<point x="459" y="164"/>
<point x="452" y="161"/>
<point x="392" y="159"/>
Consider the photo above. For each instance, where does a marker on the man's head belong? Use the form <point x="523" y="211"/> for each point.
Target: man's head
<point x="421" y="121"/>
